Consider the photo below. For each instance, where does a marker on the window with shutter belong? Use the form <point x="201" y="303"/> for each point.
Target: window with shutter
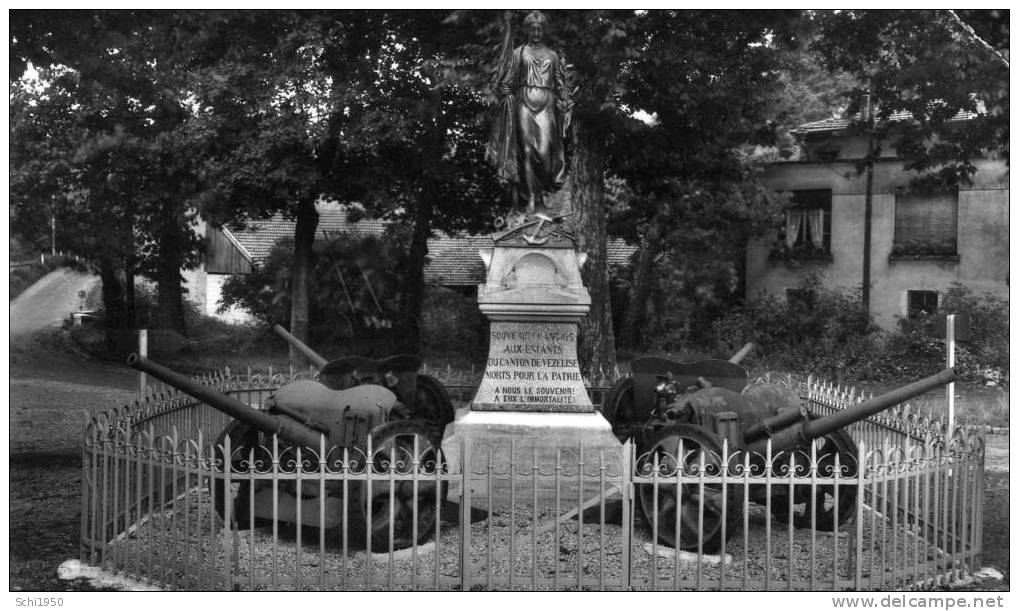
<point x="926" y="224"/>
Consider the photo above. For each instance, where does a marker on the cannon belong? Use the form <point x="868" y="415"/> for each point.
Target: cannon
<point x="687" y="423"/>
<point x="306" y="416"/>
<point x="421" y="396"/>
<point x="631" y="401"/>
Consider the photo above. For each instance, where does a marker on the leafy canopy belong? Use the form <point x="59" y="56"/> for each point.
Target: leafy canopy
<point x="927" y="70"/>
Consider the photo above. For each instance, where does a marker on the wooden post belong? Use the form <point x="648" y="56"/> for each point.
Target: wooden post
<point x="143" y="350"/>
<point x="950" y="361"/>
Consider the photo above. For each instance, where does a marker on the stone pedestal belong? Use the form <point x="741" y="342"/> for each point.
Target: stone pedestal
<point x="532" y="367"/>
<point x="531" y="400"/>
<point x="532" y="438"/>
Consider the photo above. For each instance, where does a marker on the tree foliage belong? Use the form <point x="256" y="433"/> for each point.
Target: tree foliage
<point x="925" y="67"/>
<point x="104" y="124"/>
<point x="143" y="122"/>
<point x="355" y="300"/>
<point x="708" y="80"/>
<point x="342" y="105"/>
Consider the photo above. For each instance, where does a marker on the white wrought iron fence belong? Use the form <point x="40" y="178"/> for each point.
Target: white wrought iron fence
<point x="161" y="503"/>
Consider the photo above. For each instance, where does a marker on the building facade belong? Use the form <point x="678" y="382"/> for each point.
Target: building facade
<point x="921" y="242"/>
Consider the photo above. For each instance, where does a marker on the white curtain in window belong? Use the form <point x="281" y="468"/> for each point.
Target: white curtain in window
<point x="815" y="221"/>
<point x="793" y="222"/>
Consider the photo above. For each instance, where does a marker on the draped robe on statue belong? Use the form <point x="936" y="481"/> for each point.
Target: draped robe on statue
<point x="526" y="147"/>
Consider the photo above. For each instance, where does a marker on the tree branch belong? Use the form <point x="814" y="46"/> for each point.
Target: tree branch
<point x="974" y="36"/>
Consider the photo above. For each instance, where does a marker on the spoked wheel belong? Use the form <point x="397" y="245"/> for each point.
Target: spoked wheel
<point x="618" y="408"/>
<point x="822" y="502"/>
<point x="243" y="438"/>
<point x="432" y="402"/>
<point x="396" y="510"/>
<point x="700" y="509"/>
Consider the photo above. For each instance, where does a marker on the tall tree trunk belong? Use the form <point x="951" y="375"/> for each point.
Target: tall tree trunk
<point x="300" y="286"/>
<point x="414" y="280"/>
<point x="168" y="278"/>
<point x="130" y="264"/>
<point x="596" y="350"/>
<point x="113" y="303"/>
<point x="630" y="333"/>
<point x="740" y="262"/>
<point x="130" y="298"/>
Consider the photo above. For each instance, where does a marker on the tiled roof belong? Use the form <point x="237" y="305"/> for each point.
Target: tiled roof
<point x="452" y="259"/>
<point x="825" y="125"/>
<point x="834" y="124"/>
<point x="258" y="237"/>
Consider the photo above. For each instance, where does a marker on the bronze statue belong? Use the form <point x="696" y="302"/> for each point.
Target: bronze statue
<point x="535" y="105"/>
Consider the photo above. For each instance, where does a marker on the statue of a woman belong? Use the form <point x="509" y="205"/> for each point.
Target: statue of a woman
<point x="535" y="104"/>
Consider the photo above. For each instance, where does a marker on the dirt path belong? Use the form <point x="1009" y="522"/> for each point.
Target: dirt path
<point x="49" y="301"/>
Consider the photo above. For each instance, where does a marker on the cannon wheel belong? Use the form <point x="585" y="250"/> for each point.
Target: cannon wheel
<point x="432" y="402"/>
<point x="392" y="451"/>
<point x="664" y="444"/>
<point x="835" y="443"/>
<point x="618" y="407"/>
<point x="242" y="435"/>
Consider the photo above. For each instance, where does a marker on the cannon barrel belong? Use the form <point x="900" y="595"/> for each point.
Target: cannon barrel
<point x="779" y="421"/>
<point x="281" y="426"/>
<point x="801" y="433"/>
<point x="316" y="359"/>
<point x="743" y="352"/>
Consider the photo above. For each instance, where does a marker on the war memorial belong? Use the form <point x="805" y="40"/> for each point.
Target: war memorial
<point x="372" y="474"/>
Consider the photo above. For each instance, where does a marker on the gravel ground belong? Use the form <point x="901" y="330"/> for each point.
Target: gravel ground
<point x="198" y="560"/>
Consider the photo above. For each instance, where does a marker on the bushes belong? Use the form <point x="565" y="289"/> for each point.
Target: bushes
<point x="452" y="324"/>
<point x="825" y="332"/>
<point x="915" y="351"/>
<point x="265" y="292"/>
<point x="828" y="332"/>
<point x="355" y="298"/>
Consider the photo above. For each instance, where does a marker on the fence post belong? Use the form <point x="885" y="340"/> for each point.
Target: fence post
<point x="86" y="490"/>
<point x="860" y="488"/>
<point x="626" y="488"/>
<point x="950" y="362"/>
<point x="143" y="350"/>
<point x="465" y="515"/>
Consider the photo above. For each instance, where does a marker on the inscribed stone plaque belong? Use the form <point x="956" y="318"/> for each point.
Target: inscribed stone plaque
<point x="532" y="367"/>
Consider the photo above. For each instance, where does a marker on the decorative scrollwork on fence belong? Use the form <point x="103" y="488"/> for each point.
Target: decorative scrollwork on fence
<point x="691" y="463"/>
